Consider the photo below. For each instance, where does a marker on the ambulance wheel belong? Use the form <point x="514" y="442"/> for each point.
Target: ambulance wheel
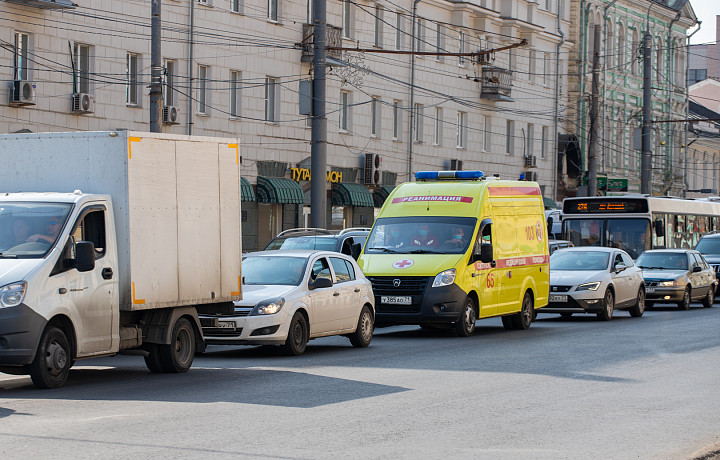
<point x="508" y="323"/>
<point x="53" y="360"/>
<point x="465" y="327"/>
<point x="524" y="317"/>
<point x="177" y="357"/>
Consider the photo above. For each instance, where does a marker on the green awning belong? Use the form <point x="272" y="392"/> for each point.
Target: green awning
<point x="381" y="194"/>
<point x="246" y="191"/>
<point x="549" y="203"/>
<point x="278" y="190"/>
<point x="349" y="194"/>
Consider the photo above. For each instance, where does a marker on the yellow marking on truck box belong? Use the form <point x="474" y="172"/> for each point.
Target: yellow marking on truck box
<point x="237" y="153"/>
<point x="130" y="141"/>
<point x="238" y="291"/>
<point x="136" y="301"/>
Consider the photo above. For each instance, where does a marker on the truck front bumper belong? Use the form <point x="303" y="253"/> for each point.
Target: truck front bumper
<point x="20" y="331"/>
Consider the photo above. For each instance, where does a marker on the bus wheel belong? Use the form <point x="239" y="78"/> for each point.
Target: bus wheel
<point x="524" y="317"/>
<point x="465" y="327"/>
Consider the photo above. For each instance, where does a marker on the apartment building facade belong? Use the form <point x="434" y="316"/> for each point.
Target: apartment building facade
<point x="241" y="69"/>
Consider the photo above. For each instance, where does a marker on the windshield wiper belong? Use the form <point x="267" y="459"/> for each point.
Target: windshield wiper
<point x="384" y="249"/>
<point x="424" y="251"/>
<point x="7" y="256"/>
<point x="652" y="268"/>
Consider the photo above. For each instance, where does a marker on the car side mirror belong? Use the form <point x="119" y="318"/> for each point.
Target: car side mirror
<point x="321" y="283"/>
<point x="355" y="250"/>
<point x="620" y="267"/>
<point x="84" y="256"/>
<point x="696" y="269"/>
<point x="486" y="253"/>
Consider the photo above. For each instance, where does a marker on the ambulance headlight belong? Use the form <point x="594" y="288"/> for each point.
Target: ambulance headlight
<point x="12" y="295"/>
<point x="445" y="278"/>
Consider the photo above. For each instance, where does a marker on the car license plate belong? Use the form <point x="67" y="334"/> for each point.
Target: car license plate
<point x="649" y="290"/>
<point x="558" y="298"/>
<point x="396" y="299"/>
<point x="226" y="324"/>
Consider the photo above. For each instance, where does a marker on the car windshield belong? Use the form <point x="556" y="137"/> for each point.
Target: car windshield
<point x="663" y="261"/>
<point x="421" y="235"/>
<point x="29" y="230"/>
<point x="579" y="260"/>
<point x="322" y="243"/>
<point x="273" y="270"/>
<point x="708" y="246"/>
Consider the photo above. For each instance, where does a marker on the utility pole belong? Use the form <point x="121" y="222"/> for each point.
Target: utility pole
<point x="593" y="147"/>
<point x="318" y="143"/>
<point x="155" y="69"/>
<point x="646" y="161"/>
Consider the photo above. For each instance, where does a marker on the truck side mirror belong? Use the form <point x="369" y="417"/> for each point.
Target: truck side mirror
<point x="486" y="253"/>
<point x="355" y="250"/>
<point x="84" y="256"/>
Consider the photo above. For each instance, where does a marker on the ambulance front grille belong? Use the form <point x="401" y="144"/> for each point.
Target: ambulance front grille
<point x="398" y="285"/>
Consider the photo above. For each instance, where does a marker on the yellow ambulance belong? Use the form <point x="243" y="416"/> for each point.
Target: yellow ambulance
<point x="456" y="246"/>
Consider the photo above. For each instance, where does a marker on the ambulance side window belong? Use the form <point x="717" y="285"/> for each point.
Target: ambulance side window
<point x="485" y="237"/>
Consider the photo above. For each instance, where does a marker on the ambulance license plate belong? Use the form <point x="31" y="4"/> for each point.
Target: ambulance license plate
<point x="649" y="290"/>
<point x="558" y="298"/>
<point x="226" y="324"/>
<point x="396" y="299"/>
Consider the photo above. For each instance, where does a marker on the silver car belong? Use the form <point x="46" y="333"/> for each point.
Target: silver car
<point x="594" y="280"/>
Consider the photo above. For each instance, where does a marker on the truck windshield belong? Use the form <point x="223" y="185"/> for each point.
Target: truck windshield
<point x="273" y="270"/>
<point x="421" y="235"/>
<point x="30" y="230"/>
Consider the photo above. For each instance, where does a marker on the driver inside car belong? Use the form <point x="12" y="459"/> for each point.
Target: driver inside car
<point x="52" y="228"/>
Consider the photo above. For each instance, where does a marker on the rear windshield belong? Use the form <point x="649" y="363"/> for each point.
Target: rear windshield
<point x="322" y="243"/>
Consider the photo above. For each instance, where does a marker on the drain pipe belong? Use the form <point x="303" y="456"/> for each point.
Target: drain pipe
<point x="557" y="104"/>
<point x="411" y="118"/>
<point x="191" y="47"/>
<point x="687" y="107"/>
<point x="604" y="79"/>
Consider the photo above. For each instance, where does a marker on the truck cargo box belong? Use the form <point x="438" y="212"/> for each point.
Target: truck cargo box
<point x="176" y="201"/>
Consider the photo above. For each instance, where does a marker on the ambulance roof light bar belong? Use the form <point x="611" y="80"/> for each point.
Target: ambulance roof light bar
<point x="462" y="175"/>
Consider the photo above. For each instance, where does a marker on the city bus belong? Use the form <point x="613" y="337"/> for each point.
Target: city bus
<point x="636" y="223"/>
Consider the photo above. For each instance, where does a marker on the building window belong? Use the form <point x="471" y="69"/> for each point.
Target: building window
<point x="461" y="49"/>
<point x="21" y="63"/>
<point x="530" y="140"/>
<point x="510" y="137"/>
<point x="399" y="26"/>
<point x="397" y="120"/>
<point x="461" y="129"/>
<point x="132" y="84"/>
<point x="543" y="142"/>
<point x="235" y="77"/>
<point x="439" y="42"/>
<point x="418" y="123"/>
<point x="375" y="118"/>
<point x="438" y="132"/>
<point x="621" y="51"/>
<point x="697" y="75"/>
<point x="548" y="5"/>
<point x="420" y="36"/>
<point x="274" y="10"/>
<point x="347" y="19"/>
<point x="487" y="131"/>
<point x="271" y="99"/>
<point x="378" y="26"/>
<point x="532" y="68"/>
<point x="345" y="111"/>
<point x="635" y="52"/>
<point x="202" y="92"/>
<point x="169" y="83"/>
<point x="236" y="6"/>
<point x="545" y="69"/>
<point x="659" y="75"/>
<point x="81" y="78"/>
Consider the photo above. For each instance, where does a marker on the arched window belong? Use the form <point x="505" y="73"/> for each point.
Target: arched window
<point x="621" y="51"/>
<point x="634" y="52"/>
<point x="619" y="144"/>
<point x="659" y="60"/>
<point x="591" y="38"/>
<point x="610" y="50"/>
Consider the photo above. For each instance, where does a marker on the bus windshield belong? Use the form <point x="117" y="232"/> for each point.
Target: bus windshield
<point x="421" y="235"/>
<point x="630" y="235"/>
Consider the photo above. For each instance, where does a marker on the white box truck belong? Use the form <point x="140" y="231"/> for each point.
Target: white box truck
<point x="112" y="241"/>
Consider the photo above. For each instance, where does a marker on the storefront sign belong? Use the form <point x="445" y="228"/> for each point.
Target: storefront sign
<point x="299" y="174"/>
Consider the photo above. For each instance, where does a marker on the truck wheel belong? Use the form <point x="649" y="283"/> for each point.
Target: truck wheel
<point x="524" y="317"/>
<point x="707" y="302"/>
<point x="53" y="359"/>
<point x="465" y="326"/>
<point x="363" y="333"/>
<point x="639" y="308"/>
<point x="609" y="306"/>
<point x="297" y="338"/>
<point x="152" y="360"/>
<point x="684" y="304"/>
<point x="178" y="356"/>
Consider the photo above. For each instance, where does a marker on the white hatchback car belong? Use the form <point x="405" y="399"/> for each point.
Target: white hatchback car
<point x="594" y="280"/>
<point x="290" y="297"/>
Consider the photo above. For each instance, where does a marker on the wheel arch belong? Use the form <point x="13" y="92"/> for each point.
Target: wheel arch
<point x="474" y="296"/>
<point x="65" y="324"/>
<point x="303" y="311"/>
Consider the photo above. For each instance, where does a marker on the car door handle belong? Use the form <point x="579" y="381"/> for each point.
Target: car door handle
<point x="335" y="294"/>
<point x="357" y="289"/>
<point x="107" y="273"/>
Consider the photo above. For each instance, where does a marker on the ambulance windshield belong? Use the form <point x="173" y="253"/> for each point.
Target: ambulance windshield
<point x="421" y="235"/>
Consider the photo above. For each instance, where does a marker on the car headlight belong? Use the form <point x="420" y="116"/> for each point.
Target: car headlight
<point x="588" y="286"/>
<point x="667" y="283"/>
<point x="12" y="295"/>
<point x="445" y="278"/>
<point x="268" y="307"/>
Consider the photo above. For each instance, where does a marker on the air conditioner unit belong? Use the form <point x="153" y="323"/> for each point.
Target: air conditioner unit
<point x="373" y="165"/>
<point x="531" y="176"/>
<point x="486" y="58"/>
<point x="170" y="115"/>
<point x="456" y="165"/>
<point x="531" y="161"/>
<point x="23" y="93"/>
<point x="82" y="103"/>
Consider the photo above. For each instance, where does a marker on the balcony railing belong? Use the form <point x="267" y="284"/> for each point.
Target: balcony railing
<point x="496" y="83"/>
<point x="334" y="39"/>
